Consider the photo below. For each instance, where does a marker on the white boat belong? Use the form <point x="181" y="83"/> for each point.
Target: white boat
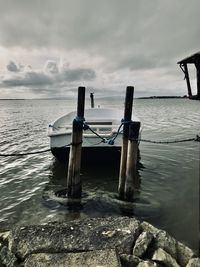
<point x="101" y="142"/>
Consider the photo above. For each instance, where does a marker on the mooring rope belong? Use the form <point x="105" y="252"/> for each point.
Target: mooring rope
<point x="25" y="154"/>
<point x="31" y="153"/>
<point x="197" y="138"/>
<point x="87" y="127"/>
<point x="111" y="140"/>
<point x="104" y="140"/>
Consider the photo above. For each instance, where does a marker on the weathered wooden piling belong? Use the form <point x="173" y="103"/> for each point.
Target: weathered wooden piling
<point x="92" y="99"/>
<point x="124" y="149"/>
<point x="197" y="65"/>
<point x="187" y="79"/>
<point x="132" y="156"/>
<point x="74" y="184"/>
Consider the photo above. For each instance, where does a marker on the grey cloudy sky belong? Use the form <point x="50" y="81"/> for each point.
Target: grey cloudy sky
<point x="48" y="48"/>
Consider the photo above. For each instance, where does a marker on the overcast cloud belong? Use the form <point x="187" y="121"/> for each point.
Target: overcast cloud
<point x="105" y="45"/>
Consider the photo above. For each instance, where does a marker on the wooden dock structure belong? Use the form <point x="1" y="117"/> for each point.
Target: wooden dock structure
<point x="193" y="59"/>
<point x="129" y="150"/>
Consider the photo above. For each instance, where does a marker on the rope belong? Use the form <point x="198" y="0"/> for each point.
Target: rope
<point x="111" y="140"/>
<point x="25" y="154"/>
<point x="32" y="153"/>
<point x="104" y="140"/>
<point x="87" y="127"/>
<point x="197" y="138"/>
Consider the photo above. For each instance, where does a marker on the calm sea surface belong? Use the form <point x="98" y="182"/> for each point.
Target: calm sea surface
<point x="169" y="174"/>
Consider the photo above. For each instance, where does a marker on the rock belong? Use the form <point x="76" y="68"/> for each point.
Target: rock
<point x="129" y="260"/>
<point x="4" y="236"/>
<point x="101" y="258"/>
<point x="195" y="262"/>
<point x="147" y="264"/>
<point x="167" y="243"/>
<point x="164" y="258"/>
<point x="184" y="254"/>
<point x="162" y="239"/>
<point x="7" y="258"/>
<point x="76" y="236"/>
<point x="147" y="227"/>
<point x="142" y="244"/>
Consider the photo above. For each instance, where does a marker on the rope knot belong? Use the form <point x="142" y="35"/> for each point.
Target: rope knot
<point x="86" y="127"/>
<point x="125" y="122"/>
<point x="197" y="138"/>
<point x="111" y="142"/>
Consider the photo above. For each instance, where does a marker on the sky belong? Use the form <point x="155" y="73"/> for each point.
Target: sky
<point x="48" y="48"/>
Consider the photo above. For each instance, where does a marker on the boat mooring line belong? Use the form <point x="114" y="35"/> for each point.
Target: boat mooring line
<point x="196" y="139"/>
<point x="111" y="141"/>
<point x="25" y="154"/>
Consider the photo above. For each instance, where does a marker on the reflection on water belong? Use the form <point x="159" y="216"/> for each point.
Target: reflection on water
<point x="99" y="194"/>
<point x="168" y="174"/>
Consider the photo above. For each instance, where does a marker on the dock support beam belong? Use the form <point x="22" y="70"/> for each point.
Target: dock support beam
<point x="92" y="99"/>
<point x="197" y="65"/>
<point x="132" y="157"/>
<point x="74" y="184"/>
<point x="127" y="119"/>
<point x="187" y="80"/>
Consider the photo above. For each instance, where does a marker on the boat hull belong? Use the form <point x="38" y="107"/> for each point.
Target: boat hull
<point x="89" y="154"/>
<point x="101" y="142"/>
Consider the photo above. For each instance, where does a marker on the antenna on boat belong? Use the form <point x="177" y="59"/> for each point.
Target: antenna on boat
<point x="92" y="99"/>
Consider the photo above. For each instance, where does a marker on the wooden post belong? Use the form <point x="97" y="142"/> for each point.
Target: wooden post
<point x="132" y="155"/>
<point x="92" y="99"/>
<point x="74" y="185"/>
<point x="197" y="64"/>
<point x="127" y="119"/>
<point x="187" y="79"/>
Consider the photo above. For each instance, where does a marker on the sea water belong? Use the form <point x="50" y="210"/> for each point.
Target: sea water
<point x="169" y="173"/>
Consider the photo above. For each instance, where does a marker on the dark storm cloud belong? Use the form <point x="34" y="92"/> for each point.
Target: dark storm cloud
<point x="134" y="41"/>
<point x="51" y="67"/>
<point x="13" y="67"/>
<point x="52" y="75"/>
<point x="27" y="79"/>
<point x="127" y="34"/>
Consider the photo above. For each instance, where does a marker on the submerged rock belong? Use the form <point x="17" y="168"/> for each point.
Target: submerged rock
<point x="103" y="258"/>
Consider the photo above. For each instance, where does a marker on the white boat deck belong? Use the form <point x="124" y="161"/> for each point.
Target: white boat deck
<point x="103" y="121"/>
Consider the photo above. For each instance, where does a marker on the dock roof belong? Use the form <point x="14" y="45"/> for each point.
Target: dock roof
<point x="191" y="59"/>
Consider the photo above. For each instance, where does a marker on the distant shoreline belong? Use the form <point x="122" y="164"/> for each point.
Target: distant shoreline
<point x="143" y="97"/>
<point x="161" y="97"/>
<point x="13" y="99"/>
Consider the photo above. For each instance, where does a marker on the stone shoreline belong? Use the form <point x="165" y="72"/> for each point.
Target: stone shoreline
<point x="100" y="242"/>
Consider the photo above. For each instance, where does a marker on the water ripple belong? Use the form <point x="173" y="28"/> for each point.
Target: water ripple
<point x="169" y="174"/>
